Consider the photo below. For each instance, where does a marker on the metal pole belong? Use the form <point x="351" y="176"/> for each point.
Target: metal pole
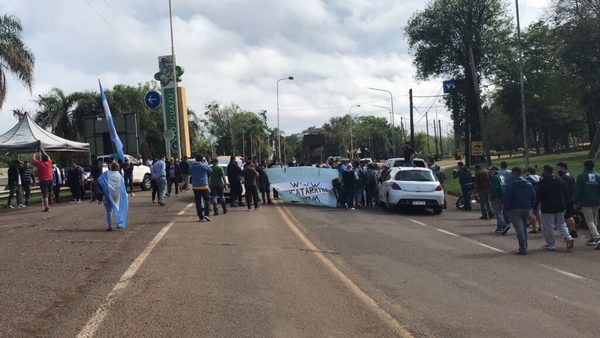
<point x="440" y="134"/>
<point x="427" y="129"/>
<point x="278" y="128"/>
<point x="412" y="120"/>
<point x="394" y="139"/>
<point x="175" y="83"/>
<point x="522" y="83"/>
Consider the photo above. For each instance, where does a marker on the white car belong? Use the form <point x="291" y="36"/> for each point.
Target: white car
<point x="141" y="173"/>
<point x="411" y="187"/>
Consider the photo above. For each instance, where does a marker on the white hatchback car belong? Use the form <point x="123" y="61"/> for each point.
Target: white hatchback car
<point x="411" y="187"/>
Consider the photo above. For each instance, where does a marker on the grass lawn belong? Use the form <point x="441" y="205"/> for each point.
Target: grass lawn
<point x="574" y="160"/>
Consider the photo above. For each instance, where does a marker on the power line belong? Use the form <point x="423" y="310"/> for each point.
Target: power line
<point x="331" y="107"/>
<point x="124" y="23"/>
<point x="116" y="30"/>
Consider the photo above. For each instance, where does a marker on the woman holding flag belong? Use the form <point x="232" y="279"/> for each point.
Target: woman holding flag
<point x="112" y="186"/>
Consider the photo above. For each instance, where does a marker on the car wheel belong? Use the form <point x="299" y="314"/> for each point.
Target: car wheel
<point x="146" y="183"/>
<point x="437" y="209"/>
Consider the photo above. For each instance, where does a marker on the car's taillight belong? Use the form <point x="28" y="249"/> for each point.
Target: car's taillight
<point x="395" y="186"/>
<point x="439" y="188"/>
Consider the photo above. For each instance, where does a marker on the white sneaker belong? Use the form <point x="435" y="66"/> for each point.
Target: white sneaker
<point x="10" y="206"/>
<point x="352" y="208"/>
<point x="21" y="206"/>
<point x="132" y="194"/>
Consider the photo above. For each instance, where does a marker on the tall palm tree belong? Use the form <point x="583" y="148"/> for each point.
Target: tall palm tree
<point x="56" y="113"/>
<point x="19" y="114"/>
<point x="14" y="55"/>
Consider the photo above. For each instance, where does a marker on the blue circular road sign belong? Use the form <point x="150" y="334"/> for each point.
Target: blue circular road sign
<point x="152" y="99"/>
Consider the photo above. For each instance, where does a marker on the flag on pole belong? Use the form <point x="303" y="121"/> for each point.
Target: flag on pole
<point x="111" y="126"/>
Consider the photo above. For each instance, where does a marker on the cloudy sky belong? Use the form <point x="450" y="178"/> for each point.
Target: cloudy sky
<point x="233" y="51"/>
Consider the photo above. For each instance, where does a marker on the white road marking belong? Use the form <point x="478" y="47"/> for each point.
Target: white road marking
<point x="417" y="222"/>
<point x="90" y="328"/>
<point x="360" y="294"/>
<point x="447" y="232"/>
<point x="184" y="209"/>
<point x="563" y="272"/>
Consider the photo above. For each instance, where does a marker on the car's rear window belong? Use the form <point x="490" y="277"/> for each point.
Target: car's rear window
<point x="417" y="163"/>
<point x="414" y="175"/>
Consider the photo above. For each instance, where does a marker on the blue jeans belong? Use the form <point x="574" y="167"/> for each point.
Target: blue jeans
<point x="162" y="189"/>
<point x="520" y="220"/>
<point x="499" y="212"/>
<point x="359" y="197"/>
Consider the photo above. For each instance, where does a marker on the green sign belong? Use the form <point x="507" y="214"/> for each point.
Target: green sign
<point x="171" y="118"/>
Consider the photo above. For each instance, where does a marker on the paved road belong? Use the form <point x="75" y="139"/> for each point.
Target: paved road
<point x="285" y="271"/>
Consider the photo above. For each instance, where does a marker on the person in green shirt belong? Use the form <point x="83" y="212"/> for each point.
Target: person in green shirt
<point x="497" y="187"/>
<point x="587" y="196"/>
<point x="217" y="186"/>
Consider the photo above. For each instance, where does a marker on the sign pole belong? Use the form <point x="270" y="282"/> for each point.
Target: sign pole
<point x="178" y="134"/>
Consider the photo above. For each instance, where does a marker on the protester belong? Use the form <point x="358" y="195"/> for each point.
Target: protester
<point x="264" y="184"/>
<point x="440" y="175"/>
<point x="235" y="185"/>
<point x="58" y="178"/>
<point x="361" y="183"/>
<point x="507" y="177"/>
<point x="250" y="177"/>
<point x="159" y="175"/>
<point x="199" y="171"/>
<point x="534" y="179"/>
<point x="371" y="188"/>
<point x="497" y="189"/>
<point x="587" y="196"/>
<point x="551" y="201"/>
<point x="173" y="176"/>
<point x="349" y="178"/>
<point x="569" y="182"/>
<point x="409" y="154"/>
<point x="28" y="180"/>
<point x="95" y="172"/>
<point x="184" y="169"/>
<point x="74" y="179"/>
<point x="15" y="182"/>
<point x="465" y="179"/>
<point x="217" y="187"/>
<point x="128" y="175"/>
<point x="519" y="201"/>
<point x="44" y="168"/>
<point x="482" y="186"/>
<point x="114" y="196"/>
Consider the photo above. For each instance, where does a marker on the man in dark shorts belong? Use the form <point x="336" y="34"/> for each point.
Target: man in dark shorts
<point x="563" y="173"/>
<point x="44" y="177"/>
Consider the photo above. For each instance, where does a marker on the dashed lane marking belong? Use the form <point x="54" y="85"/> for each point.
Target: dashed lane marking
<point x="92" y="325"/>
<point x="184" y="209"/>
<point x="360" y="294"/>
<point x="563" y="272"/>
<point x="417" y="222"/>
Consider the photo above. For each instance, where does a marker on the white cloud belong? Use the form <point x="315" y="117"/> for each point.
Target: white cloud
<point x="232" y="51"/>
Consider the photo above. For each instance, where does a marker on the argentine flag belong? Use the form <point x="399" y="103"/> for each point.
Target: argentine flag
<point x="115" y="201"/>
<point x="111" y="126"/>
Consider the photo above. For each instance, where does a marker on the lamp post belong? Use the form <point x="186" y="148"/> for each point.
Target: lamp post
<point x="393" y="123"/>
<point x="175" y="84"/>
<point x="289" y="78"/>
<point x="351" y="130"/>
<point x="522" y="83"/>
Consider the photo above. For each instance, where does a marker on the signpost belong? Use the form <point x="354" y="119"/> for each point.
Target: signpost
<point x="152" y="99"/>
<point x="477" y="148"/>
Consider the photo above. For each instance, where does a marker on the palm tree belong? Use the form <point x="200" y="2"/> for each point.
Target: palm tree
<point x="19" y="114"/>
<point x="14" y="55"/>
<point x="56" y="113"/>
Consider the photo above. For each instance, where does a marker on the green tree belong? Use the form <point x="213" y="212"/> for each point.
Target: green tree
<point x="14" y="55"/>
<point x="55" y="113"/>
<point x="460" y="38"/>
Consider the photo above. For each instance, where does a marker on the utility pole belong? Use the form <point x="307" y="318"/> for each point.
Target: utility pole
<point x="175" y="99"/>
<point x="435" y="137"/>
<point x="412" y="121"/>
<point x="440" y="133"/>
<point x="427" y="129"/>
<point x="522" y="82"/>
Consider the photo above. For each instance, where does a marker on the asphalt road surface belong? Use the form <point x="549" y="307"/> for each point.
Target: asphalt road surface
<point x="285" y="271"/>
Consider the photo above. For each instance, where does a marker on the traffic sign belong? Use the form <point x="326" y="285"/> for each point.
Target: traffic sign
<point x="152" y="99"/>
<point x="476" y="148"/>
<point x="449" y="86"/>
<point x="168" y="135"/>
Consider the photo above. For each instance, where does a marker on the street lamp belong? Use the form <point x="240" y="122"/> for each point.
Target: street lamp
<point x="393" y="123"/>
<point x="522" y="82"/>
<point x="351" y="128"/>
<point x="289" y="78"/>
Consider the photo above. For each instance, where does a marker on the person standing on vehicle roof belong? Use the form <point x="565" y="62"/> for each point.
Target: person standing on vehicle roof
<point x="409" y="155"/>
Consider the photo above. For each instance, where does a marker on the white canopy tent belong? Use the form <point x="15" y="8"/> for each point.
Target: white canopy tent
<point x="26" y="136"/>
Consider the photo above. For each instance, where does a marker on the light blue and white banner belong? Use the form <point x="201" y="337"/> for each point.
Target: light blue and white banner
<point x="111" y="126"/>
<point x="304" y="185"/>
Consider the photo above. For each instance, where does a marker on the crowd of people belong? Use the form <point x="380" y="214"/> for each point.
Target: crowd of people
<point x="525" y="200"/>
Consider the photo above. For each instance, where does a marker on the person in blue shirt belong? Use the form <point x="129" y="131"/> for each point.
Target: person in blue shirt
<point x="519" y="201"/>
<point x="159" y="175"/>
<point x="200" y="171"/>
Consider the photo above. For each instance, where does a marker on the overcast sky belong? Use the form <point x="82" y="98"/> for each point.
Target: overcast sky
<point x="233" y="51"/>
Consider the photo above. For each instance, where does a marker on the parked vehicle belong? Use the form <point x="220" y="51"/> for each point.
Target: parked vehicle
<point x="411" y="187"/>
<point x="141" y="172"/>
